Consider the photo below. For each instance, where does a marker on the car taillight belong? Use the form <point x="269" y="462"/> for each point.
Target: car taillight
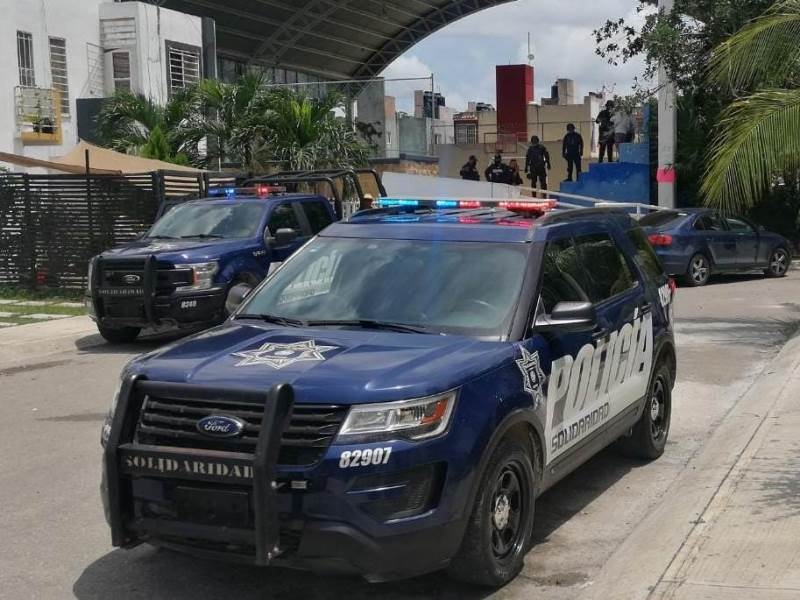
<point x="660" y="239"/>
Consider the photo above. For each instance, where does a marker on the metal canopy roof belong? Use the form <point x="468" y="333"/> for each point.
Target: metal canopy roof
<point x="341" y="39"/>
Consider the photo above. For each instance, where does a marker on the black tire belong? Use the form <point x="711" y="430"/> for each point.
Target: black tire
<point x="498" y="533"/>
<point x="649" y="436"/>
<point x="699" y="271"/>
<point x="779" y="262"/>
<point x="119" y="335"/>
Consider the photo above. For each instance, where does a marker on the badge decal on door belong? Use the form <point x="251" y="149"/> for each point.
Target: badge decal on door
<point x="533" y="377"/>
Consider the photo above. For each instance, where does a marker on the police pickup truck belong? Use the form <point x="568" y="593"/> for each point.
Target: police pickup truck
<point x="392" y="400"/>
<point x="198" y="257"/>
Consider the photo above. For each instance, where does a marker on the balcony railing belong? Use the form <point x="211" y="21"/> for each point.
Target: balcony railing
<point x="38" y="115"/>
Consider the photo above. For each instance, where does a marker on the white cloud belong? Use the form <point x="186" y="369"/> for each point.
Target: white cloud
<point x="463" y="55"/>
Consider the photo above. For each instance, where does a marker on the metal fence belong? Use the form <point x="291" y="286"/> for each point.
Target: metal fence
<point x="51" y="225"/>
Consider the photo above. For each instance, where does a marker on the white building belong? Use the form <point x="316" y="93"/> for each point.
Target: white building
<point x="59" y="51"/>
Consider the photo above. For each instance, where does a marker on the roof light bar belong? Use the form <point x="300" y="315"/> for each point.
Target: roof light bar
<point x="516" y="205"/>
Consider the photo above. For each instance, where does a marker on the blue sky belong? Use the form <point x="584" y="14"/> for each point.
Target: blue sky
<point x="463" y="55"/>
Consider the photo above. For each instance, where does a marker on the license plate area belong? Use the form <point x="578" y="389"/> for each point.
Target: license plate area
<point x="213" y="507"/>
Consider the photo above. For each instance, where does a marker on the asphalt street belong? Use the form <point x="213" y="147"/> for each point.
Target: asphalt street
<point x="55" y="543"/>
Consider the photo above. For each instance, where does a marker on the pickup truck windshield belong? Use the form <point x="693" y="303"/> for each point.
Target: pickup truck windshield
<point x="435" y="286"/>
<point x="209" y="221"/>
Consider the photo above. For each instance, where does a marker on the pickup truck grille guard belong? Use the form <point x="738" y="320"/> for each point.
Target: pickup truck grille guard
<point x="149" y="284"/>
<point x="277" y="402"/>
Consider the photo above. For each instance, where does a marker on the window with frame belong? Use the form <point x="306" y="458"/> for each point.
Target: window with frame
<point x="563" y="278"/>
<point x="58" y="71"/>
<point x="121" y="69"/>
<point x="27" y="75"/>
<point x="183" y="66"/>
<point x="466" y="133"/>
<point x="645" y="256"/>
<point x="283" y="217"/>
<point x="317" y="214"/>
<point x="709" y="222"/>
<point x="739" y="225"/>
<point x="607" y="271"/>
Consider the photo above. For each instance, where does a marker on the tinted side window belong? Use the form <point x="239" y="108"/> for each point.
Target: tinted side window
<point x="606" y="270"/>
<point x="645" y="257"/>
<point x="739" y="226"/>
<point x="709" y="223"/>
<point x="562" y="275"/>
<point x="317" y="214"/>
<point x="283" y="217"/>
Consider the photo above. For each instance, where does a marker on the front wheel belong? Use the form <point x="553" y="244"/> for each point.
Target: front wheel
<point x="499" y="530"/>
<point x="699" y="270"/>
<point x="649" y="436"/>
<point x="778" y="263"/>
<point x="119" y="335"/>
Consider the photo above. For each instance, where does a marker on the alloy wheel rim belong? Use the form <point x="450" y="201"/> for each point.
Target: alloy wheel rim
<point x="506" y="511"/>
<point x="778" y="262"/>
<point x="699" y="270"/>
<point x="658" y="411"/>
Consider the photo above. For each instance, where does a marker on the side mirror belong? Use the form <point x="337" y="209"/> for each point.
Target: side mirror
<point x="282" y="237"/>
<point x="569" y="316"/>
<point x="236" y="296"/>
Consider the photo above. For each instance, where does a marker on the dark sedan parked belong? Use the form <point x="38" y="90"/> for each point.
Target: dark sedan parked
<point x="697" y="243"/>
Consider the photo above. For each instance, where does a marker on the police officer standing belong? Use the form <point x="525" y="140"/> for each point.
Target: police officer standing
<point x="537" y="163"/>
<point x="572" y="151"/>
<point x="470" y="170"/>
<point x="498" y="171"/>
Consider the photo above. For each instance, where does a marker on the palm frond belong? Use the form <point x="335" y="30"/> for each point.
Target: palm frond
<point x="766" y="51"/>
<point x="758" y="138"/>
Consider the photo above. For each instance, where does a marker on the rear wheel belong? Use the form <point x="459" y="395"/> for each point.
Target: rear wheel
<point x="778" y="263"/>
<point x="649" y="436"/>
<point x="699" y="270"/>
<point x="119" y="335"/>
<point x="499" y="530"/>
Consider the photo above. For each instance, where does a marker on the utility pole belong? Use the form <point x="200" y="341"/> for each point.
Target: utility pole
<point x="667" y="130"/>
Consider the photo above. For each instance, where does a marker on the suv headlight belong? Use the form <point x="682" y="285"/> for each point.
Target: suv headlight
<point x="202" y="275"/>
<point x="412" y="420"/>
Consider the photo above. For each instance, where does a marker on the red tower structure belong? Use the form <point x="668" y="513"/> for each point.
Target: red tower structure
<point x="514" y="93"/>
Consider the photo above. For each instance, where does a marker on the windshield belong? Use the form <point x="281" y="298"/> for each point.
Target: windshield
<point x="441" y="287"/>
<point x="210" y="220"/>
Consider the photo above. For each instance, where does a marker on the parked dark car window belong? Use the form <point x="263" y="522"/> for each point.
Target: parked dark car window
<point x="739" y="226"/>
<point x="645" y="256"/>
<point x="317" y="214"/>
<point x="709" y="222"/>
<point x="562" y="275"/>
<point x="608" y="273"/>
<point x="662" y="218"/>
<point x="283" y="217"/>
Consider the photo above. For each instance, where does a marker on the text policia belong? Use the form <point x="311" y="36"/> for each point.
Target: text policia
<point x="602" y="380"/>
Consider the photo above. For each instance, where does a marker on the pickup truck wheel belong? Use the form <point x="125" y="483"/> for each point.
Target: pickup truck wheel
<point x="498" y="533"/>
<point x="649" y="436"/>
<point x="119" y="335"/>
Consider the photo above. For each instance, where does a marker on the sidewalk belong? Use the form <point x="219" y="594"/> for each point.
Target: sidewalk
<point x="28" y="342"/>
<point x="729" y="527"/>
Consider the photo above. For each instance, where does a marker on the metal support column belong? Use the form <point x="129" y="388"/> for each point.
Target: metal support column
<point x="667" y="130"/>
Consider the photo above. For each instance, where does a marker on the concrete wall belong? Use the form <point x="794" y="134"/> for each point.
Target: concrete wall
<point x="77" y="22"/>
<point x="371" y="109"/>
<point x="414" y="134"/>
<point x="406" y="164"/>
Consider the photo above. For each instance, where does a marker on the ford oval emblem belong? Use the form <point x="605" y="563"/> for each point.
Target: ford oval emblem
<point x="132" y="278"/>
<point x="220" y="426"/>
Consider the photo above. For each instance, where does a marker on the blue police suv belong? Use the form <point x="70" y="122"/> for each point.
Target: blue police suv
<point x="198" y="256"/>
<point x="392" y="400"/>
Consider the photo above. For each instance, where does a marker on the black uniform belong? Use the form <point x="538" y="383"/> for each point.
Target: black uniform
<point x="606" y="121"/>
<point x="572" y="152"/>
<point x="537" y="163"/>
<point x="470" y="173"/>
<point x="499" y="173"/>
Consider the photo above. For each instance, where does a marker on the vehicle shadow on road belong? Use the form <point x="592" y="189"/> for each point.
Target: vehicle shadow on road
<point x="95" y="344"/>
<point x="152" y="573"/>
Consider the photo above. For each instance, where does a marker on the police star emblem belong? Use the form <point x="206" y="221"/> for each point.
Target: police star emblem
<point x="279" y="356"/>
<point x="533" y="377"/>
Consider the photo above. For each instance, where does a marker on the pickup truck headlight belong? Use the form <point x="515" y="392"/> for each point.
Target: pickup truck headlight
<point x="90" y="276"/>
<point x="202" y="275"/>
<point x="412" y="420"/>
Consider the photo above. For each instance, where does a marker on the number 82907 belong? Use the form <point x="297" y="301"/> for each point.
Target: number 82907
<point x="365" y="457"/>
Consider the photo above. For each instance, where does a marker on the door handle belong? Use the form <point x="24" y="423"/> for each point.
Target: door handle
<point x="600" y="333"/>
<point x="645" y="308"/>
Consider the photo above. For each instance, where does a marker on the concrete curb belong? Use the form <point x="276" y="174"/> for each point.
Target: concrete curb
<point x="25" y="343"/>
<point x="666" y="538"/>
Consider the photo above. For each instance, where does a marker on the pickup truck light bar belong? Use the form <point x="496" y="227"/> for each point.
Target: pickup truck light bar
<point x="260" y="190"/>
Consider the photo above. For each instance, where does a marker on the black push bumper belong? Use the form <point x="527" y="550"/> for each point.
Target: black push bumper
<point x="259" y="469"/>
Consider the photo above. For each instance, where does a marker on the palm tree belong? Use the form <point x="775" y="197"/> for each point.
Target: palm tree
<point x="758" y="136"/>
<point x="303" y="133"/>
<point x="134" y="124"/>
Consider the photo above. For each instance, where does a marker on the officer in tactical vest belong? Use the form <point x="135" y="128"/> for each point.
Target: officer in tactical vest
<point x="537" y="163"/>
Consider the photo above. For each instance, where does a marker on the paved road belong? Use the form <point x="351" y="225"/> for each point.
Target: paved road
<point x="55" y="542"/>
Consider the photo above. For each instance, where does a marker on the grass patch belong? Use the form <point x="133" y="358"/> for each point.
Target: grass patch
<point x="58" y="295"/>
<point x="50" y="309"/>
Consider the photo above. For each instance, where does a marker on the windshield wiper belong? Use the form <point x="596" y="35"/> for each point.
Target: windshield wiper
<point x="371" y="324"/>
<point x="160" y="237"/>
<point x="286" y="321"/>
<point x="203" y="236"/>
